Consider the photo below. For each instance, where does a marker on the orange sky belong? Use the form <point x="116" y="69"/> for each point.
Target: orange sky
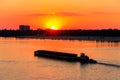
<point x="65" y="14"/>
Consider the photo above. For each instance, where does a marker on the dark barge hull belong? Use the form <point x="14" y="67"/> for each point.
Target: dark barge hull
<point x="56" y="55"/>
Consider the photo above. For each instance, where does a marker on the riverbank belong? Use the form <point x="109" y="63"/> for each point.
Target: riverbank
<point x="97" y="38"/>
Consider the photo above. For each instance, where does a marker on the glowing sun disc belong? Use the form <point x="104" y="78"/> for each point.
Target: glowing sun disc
<point x="53" y="23"/>
<point x="53" y="27"/>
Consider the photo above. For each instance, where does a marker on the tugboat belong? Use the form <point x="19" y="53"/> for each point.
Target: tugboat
<point x="85" y="59"/>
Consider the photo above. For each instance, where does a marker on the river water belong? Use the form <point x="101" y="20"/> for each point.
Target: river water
<point x="17" y="60"/>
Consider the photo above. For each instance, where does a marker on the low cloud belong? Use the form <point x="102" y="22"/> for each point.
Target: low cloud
<point x="68" y="14"/>
<point x="39" y="14"/>
<point x="100" y="13"/>
<point x="57" y="14"/>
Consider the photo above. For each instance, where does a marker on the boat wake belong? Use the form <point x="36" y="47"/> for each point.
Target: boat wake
<point x="112" y="65"/>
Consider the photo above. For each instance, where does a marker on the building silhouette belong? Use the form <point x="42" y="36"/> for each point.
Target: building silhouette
<point x="24" y="27"/>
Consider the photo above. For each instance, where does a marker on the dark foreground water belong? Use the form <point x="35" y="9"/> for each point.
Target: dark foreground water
<point x="17" y="60"/>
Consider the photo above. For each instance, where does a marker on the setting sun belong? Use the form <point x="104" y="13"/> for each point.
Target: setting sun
<point x="53" y="23"/>
<point x="53" y="27"/>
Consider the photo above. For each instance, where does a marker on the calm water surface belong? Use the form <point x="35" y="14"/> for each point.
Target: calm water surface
<point x="17" y="60"/>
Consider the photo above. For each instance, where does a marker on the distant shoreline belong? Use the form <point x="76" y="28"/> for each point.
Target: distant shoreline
<point x="97" y="38"/>
<point x="98" y="35"/>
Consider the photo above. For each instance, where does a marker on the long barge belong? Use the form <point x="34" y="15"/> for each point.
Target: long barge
<point x="64" y="56"/>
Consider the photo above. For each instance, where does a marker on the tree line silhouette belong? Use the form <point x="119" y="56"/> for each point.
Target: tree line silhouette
<point x="48" y="32"/>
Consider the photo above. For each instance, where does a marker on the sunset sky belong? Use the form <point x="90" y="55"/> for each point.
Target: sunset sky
<point x="62" y="14"/>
